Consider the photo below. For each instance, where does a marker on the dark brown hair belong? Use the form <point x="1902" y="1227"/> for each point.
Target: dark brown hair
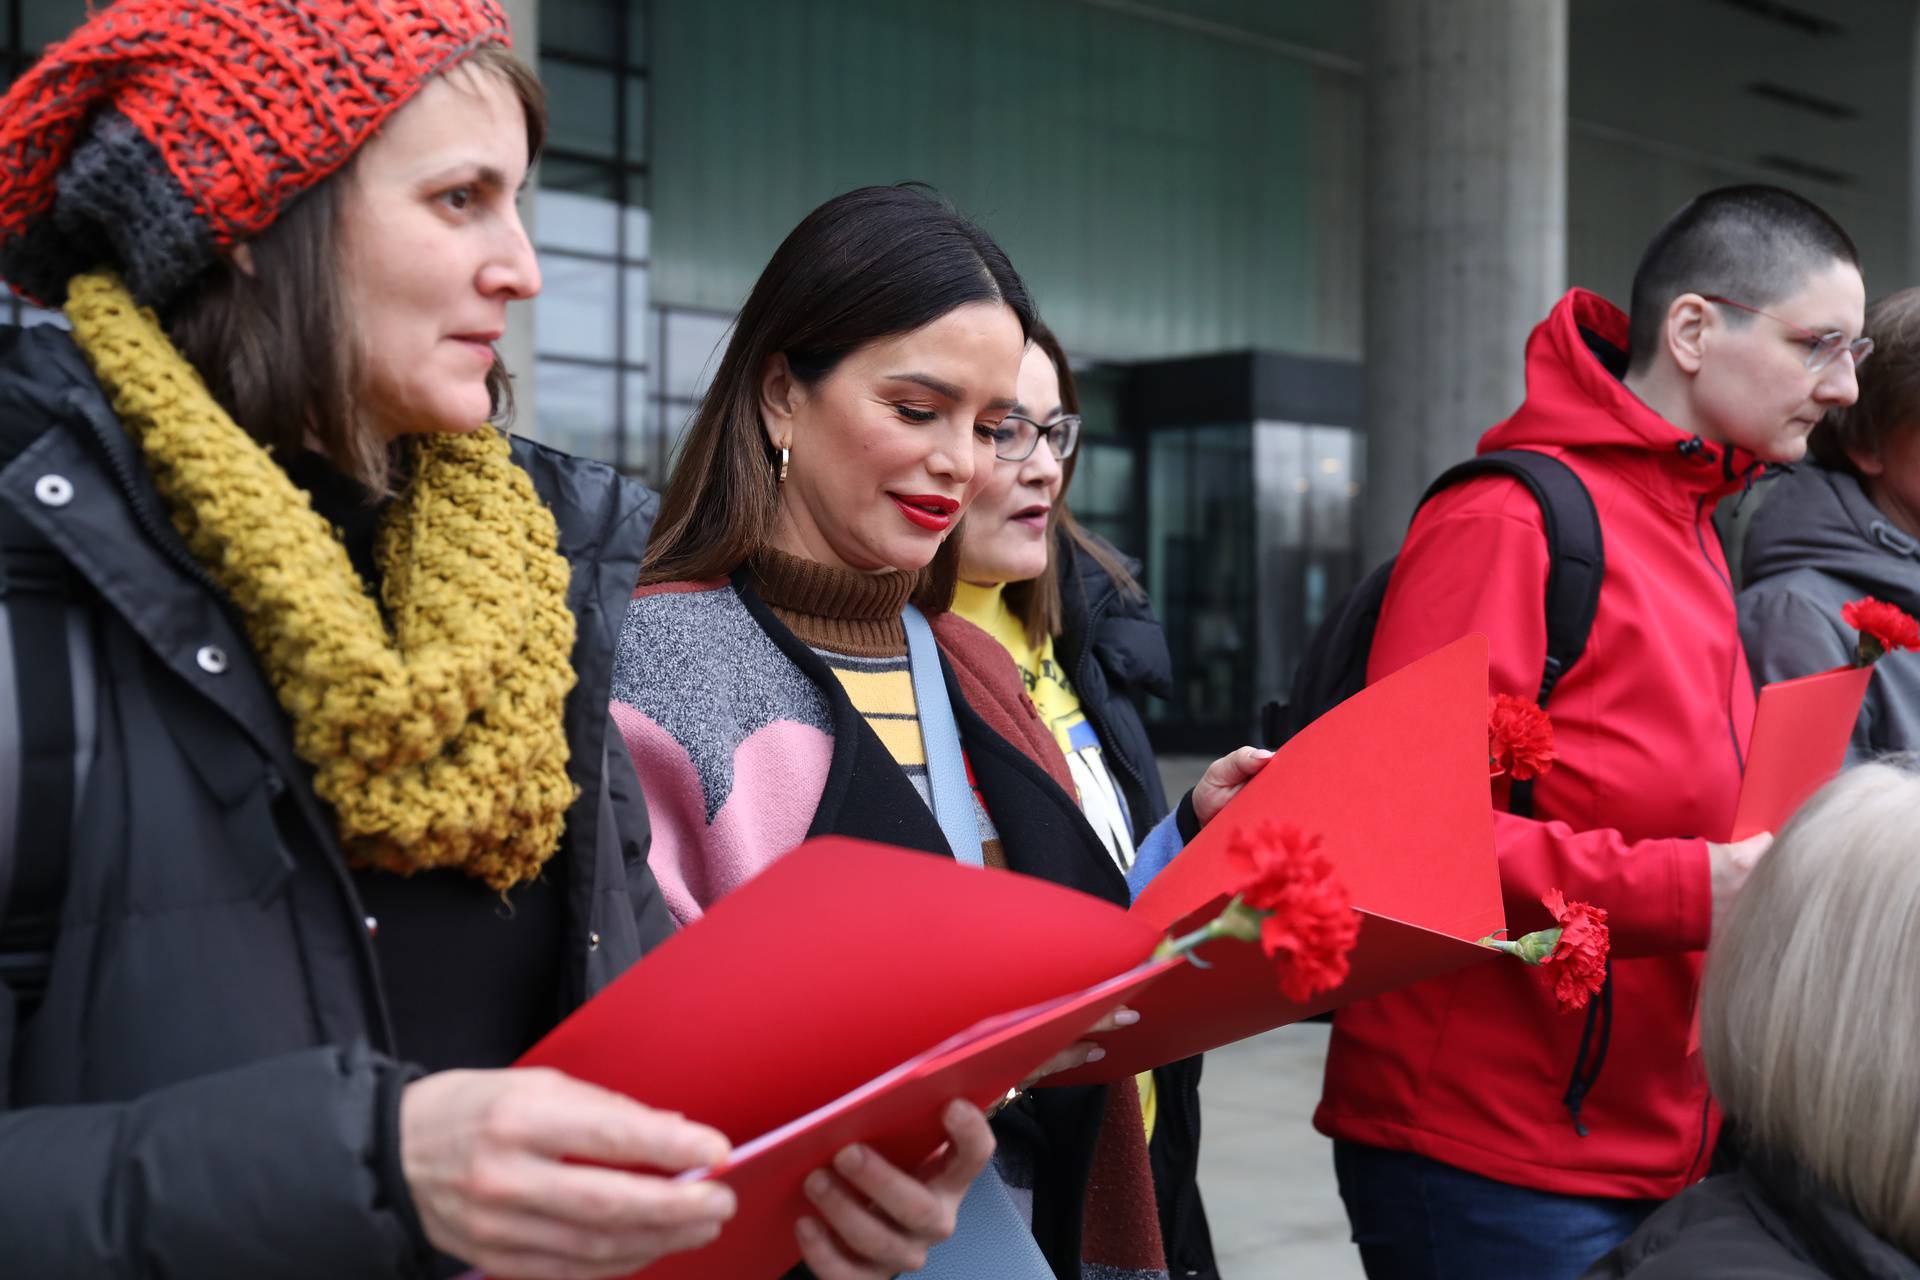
<point x="863" y="266"/>
<point x="1889" y="390"/>
<point x="274" y="344"/>
<point x="1037" y="602"/>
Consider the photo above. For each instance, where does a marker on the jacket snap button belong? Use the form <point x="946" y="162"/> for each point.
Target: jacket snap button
<point x="373" y="927"/>
<point x="593" y="942"/>
<point x="53" y="491"/>
<point x="212" y="659"/>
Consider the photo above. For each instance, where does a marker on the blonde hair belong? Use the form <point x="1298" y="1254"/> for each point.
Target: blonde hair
<point x="1809" y="1025"/>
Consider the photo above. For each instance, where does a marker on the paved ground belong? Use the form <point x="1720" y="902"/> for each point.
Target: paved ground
<point x="1266" y="1176"/>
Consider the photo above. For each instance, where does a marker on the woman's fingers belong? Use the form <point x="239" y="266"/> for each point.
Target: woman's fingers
<point x="1081" y="1052"/>
<point x="876" y="1219"/>
<point x="1224" y="778"/>
<point x="486" y="1156"/>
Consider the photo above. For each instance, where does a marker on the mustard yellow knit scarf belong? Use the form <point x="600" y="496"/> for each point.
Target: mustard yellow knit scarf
<point x="439" y="742"/>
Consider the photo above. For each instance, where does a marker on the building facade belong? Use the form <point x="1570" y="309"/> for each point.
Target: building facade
<point x="1180" y="179"/>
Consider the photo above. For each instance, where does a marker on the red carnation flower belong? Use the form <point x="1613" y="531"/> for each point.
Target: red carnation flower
<point x="1883" y="628"/>
<point x="1519" y="738"/>
<point x="1576" y="948"/>
<point x="1307" y="923"/>
<point x="1579" y="960"/>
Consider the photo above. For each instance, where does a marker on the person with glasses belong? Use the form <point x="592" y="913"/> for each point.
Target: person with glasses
<point x="1477" y="1131"/>
<point x="1845" y="527"/>
<point x="1069" y="610"/>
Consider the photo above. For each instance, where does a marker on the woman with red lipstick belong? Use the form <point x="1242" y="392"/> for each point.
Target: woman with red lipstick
<point x="1066" y="607"/>
<point x="312" y="815"/>
<point x="789" y="666"/>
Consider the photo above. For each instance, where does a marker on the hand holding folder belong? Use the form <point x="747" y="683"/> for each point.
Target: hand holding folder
<point x="850" y="991"/>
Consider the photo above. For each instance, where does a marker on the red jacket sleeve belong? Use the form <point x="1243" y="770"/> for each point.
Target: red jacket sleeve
<point x="1476" y="560"/>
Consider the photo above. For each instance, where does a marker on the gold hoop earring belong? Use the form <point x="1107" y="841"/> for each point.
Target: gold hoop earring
<point x="782" y="477"/>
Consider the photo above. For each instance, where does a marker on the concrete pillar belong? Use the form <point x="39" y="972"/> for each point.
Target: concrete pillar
<point x="517" y="346"/>
<point x="1466" y="224"/>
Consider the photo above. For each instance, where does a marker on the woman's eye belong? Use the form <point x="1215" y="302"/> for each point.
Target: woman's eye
<point x="915" y="415"/>
<point x="998" y="432"/>
<point x="459" y="198"/>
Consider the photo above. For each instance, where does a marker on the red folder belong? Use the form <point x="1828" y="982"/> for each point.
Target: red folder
<point x="847" y="993"/>
<point x="1395" y="781"/>
<point x="851" y="990"/>
<point x="1800" y="734"/>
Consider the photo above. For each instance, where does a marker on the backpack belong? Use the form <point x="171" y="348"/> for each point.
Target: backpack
<point x="1335" y="665"/>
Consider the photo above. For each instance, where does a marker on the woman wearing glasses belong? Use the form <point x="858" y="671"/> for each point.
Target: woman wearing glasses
<point x="1847" y="526"/>
<point x="1066" y="607"/>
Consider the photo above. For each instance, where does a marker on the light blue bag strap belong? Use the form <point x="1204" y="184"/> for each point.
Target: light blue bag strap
<point x="990" y="1239"/>
<point x="946" y="767"/>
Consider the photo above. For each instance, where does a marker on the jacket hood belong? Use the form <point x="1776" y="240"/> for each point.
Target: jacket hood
<point x="1814" y="518"/>
<point x="1577" y="399"/>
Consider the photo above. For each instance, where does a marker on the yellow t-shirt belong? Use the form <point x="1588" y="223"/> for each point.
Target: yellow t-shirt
<point x="1059" y="706"/>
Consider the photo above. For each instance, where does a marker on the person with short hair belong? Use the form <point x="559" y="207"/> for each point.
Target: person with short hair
<point x="351" y="828"/>
<point x="1809" y="1038"/>
<point x="1847" y="525"/>
<point x="1477" y="1130"/>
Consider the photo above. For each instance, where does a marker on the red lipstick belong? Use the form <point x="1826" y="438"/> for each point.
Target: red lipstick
<point x="928" y="510"/>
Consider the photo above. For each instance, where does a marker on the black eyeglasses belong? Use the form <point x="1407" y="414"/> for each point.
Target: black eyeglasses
<point x="1018" y="436"/>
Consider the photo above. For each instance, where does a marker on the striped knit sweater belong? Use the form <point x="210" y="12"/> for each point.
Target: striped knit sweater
<point x="732" y="743"/>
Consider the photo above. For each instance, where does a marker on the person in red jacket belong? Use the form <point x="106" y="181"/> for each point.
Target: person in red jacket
<point x="1477" y="1130"/>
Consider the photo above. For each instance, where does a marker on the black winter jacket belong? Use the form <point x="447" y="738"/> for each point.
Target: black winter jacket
<point x="1115" y="654"/>
<point x="1766" y="1221"/>
<point x="207" y="1088"/>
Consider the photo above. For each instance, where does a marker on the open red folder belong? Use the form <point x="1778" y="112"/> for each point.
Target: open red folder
<point x="1800" y="733"/>
<point x="1395" y="780"/>
<point x="851" y="990"/>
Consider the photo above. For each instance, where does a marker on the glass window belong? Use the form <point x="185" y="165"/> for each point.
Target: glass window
<point x="576" y="409"/>
<point x="575" y="207"/>
<point x="586" y="27"/>
<point x="1200" y="525"/>
<point x="636" y="36"/>
<point x="691" y="345"/>
<point x="42" y="22"/>
<point x="636" y="120"/>
<point x="575" y="312"/>
<point x="639" y="230"/>
<point x="582" y="104"/>
<point x="635" y="303"/>
<point x="639" y="453"/>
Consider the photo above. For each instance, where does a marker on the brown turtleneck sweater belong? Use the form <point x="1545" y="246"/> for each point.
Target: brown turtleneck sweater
<point x="852" y="621"/>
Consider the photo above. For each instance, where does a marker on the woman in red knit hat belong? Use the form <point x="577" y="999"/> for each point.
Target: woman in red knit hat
<point x="312" y="818"/>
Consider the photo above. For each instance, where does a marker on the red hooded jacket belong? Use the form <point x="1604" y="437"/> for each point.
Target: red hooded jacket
<point x="1651" y="727"/>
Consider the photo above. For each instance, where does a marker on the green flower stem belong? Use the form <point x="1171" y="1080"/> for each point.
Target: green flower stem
<point x="1868" y="651"/>
<point x="1236" y="920"/>
<point x="1532" y="948"/>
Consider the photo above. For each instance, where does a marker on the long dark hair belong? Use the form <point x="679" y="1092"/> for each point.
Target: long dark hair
<point x="1036" y="602"/>
<point x="863" y="266"/>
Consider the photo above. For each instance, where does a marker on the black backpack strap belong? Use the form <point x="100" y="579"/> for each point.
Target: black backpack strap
<point x="35" y="591"/>
<point x="1576" y="561"/>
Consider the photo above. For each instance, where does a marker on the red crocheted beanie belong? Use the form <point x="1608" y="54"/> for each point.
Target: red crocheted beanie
<point x="163" y="132"/>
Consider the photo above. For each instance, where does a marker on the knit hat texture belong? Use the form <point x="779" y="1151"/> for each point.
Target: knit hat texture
<point x="164" y="132"/>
